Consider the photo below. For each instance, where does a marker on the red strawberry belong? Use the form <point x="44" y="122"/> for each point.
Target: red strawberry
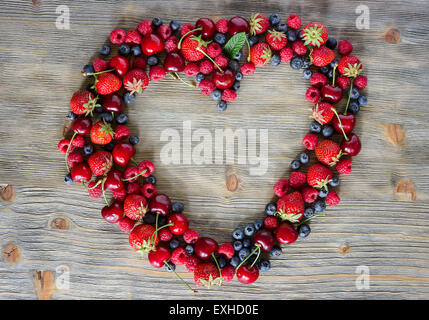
<point x="83" y="102"/>
<point x="328" y="152"/>
<point x="314" y="34"/>
<point x="101" y="133"/>
<point x="136" y="81"/>
<point x="291" y="207"/>
<point x="260" y="54"/>
<point x="140" y="238"/>
<point x="135" y="206"/>
<point x="258" y="24"/>
<point x="318" y="176"/>
<point x="107" y="83"/>
<point x="100" y="162"/>
<point x="276" y="39"/>
<point x="207" y="274"/>
<point x="193" y="48"/>
<point x="322" y="56"/>
<point x="323" y="112"/>
<point x="350" y="66"/>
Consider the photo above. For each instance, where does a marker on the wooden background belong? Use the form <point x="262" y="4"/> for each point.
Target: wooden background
<point x="381" y="223"/>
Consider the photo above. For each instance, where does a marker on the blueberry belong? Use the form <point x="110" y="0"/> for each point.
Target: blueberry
<point x="283" y="28"/>
<point x="328" y="131"/>
<point x="151" y="180"/>
<point x="355" y="93"/>
<point x="264" y="265"/>
<point x="109" y="147"/>
<point x="331" y="43"/>
<point x="333" y="63"/>
<point x="177" y="207"/>
<point x="238" y="56"/>
<point x="236" y="85"/>
<point x="275" y="60"/>
<point x="72" y="116"/>
<point x="122" y="118"/>
<point x="88" y="68"/>
<point x="169" y="266"/>
<point x="136" y="51"/>
<point x="315" y="127"/>
<point x="270" y="209"/>
<point x="306" y="74"/>
<point x="324" y="70"/>
<point x="335" y="182"/>
<point x="309" y="212"/>
<point x="129" y="98"/>
<point x="222" y="262"/>
<point x="88" y="149"/>
<point x="238" y="76"/>
<point x="300" y="35"/>
<point x="98" y="109"/>
<point x="238" y="245"/>
<point x="174" y="244"/>
<point x="175" y="25"/>
<point x="274" y="19"/>
<point x="354" y="107"/>
<point x="105" y="50"/>
<point x="68" y="179"/>
<point x="235" y="261"/>
<point x="304" y="158"/>
<point x="276" y="251"/>
<point x="363" y="101"/>
<point x="220" y="38"/>
<point x="291" y="35"/>
<point x="258" y="223"/>
<point x="149" y="218"/>
<point x="253" y="40"/>
<point x="238" y="234"/>
<point x="221" y="106"/>
<point x="319" y="206"/>
<point x="106" y="116"/>
<point x="296" y="63"/>
<point x="156" y="22"/>
<point x="323" y="193"/>
<point x="124" y="49"/>
<point x="295" y="164"/>
<point x="216" y="95"/>
<point x="234" y="65"/>
<point x="249" y="230"/>
<point x="306" y="64"/>
<point x="152" y="60"/>
<point x="199" y="77"/>
<point x="243" y="253"/>
<point x="331" y="73"/>
<point x="189" y="248"/>
<point x="134" y="140"/>
<point x="303" y="230"/>
<point x="247" y="242"/>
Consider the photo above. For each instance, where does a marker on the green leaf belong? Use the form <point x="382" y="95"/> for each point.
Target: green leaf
<point x="234" y="45"/>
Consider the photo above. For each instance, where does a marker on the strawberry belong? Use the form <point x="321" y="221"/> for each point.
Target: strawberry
<point x="318" y="176"/>
<point x="83" y="102"/>
<point x="350" y="66"/>
<point x="136" y="81"/>
<point x="101" y="133"/>
<point x="323" y="112"/>
<point x="276" y="39"/>
<point x="291" y="207"/>
<point x="258" y="24"/>
<point x="140" y="238"/>
<point x="328" y="152"/>
<point x="193" y="48"/>
<point x="207" y="274"/>
<point x="100" y="162"/>
<point x="314" y="34"/>
<point x="107" y="83"/>
<point x="135" y="206"/>
<point x="322" y="56"/>
<point x="260" y="54"/>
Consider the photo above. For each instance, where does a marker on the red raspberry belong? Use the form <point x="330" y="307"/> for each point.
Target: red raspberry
<point x="191" y="236"/>
<point x="191" y="262"/>
<point x="139" y="63"/>
<point x="74" y="158"/>
<point x="318" y="79"/>
<point x="281" y="188"/>
<point x="63" y="145"/>
<point x="186" y="28"/>
<point x="344" y="166"/>
<point x="271" y="222"/>
<point x="312" y="94"/>
<point x="146" y="166"/>
<point x="227" y="273"/>
<point x="191" y="69"/>
<point x="360" y="82"/>
<point x="310" y="141"/>
<point x="207" y="87"/>
<point x="120" y="195"/>
<point x="214" y="49"/>
<point x="286" y="54"/>
<point x="94" y="192"/>
<point x="133" y="188"/>
<point x="179" y="256"/>
<point x="117" y="36"/>
<point x="171" y="44"/>
<point x="248" y="68"/>
<point x="343" y="82"/>
<point x="222" y="25"/>
<point x="121" y="132"/>
<point x="299" y="48"/>
<point x="145" y="27"/>
<point x="165" y="235"/>
<point x="309" y="194"/>
<point x="133" y="37"/>
<point x="345" y="47"/>
<point x="131" y="172"/>
<point x="126" y="224"/>
<point x="206" y="67"/>
<point x="229" y="95"/>
<point x="100" y="65"/>
<point x="332" y="199"/>
<point x="294" y="21"/>
<point x="221" y="61"/>
<point x="164" y="31"/>
<point x="226" y="249"/>
<point x="156" y="73"/>
<point x="78" y="142"/>
<point x="149" y="190"/>
<point x="297" y="179"/>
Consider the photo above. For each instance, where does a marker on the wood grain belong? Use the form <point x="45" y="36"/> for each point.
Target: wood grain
<point x="56" y="225"/>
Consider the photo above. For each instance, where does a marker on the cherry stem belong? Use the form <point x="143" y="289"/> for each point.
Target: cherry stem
<point x="248" y="48"/>
<point x="179" y="45"/>
<point x="104" y="193"/>
<point x="208" y="57"/>
<point x="333" y="75"/>
<point x="95" y="186"/>
<point x="257" y="257"/>
<point x="67" y="151"/>
<point x="341" y="125"/>
<point x="136" y="176"/>
<point x="154" y="235"/>
<point x="350" y="93"/>
<point x="258" y="247"/>
<point x="177" y="77"/>
<point x="96" y="73"/>
<point x="316" y="215"/>
<point x="217" y="264"/>
<point x="177" y="275"/>
<point x="134" y="161"/>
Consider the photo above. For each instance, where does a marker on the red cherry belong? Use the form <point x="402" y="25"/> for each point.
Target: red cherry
<point x="123" y="152"/>
<point x="351" y="147"/>
<point x="331" y="94"/>
<point x="120" y="64"/>
<point x="247" y="274"/>
<point x="113" y="213"/>
<point x="286" y="233"/>
<point x="208" y="26"/>
<point x="179" y="223"/>
<point x="113" y="103"/>
<point x="223" y="80"/>
<point x="204" y="247"/>
<point x="160" y="204"/>
<point x="114" y="181"/>
<point x="348" y="121"/>
<point x="152" y="44"/>
<point x="158" y="256"/>
<point x="265" y="238"/>
<point x="238" y="24"/>
<point x="82" y="125"/>
<point x="81" y="172"/>
<point x="174" y="62"/>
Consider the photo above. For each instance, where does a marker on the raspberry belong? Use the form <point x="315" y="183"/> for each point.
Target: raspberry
<point x="294" y="21"/>
<point x="63" y="145"/>
<point x="286" y="54"/>
<point x="139" y="63"/>
<point x="145" y="27"/>
<point x="191" y="69"/>
<point x="100" y="65"/>
<point x="191" y="262"/>
<point x="190" y="236"/>
<point x="281" y="188"/>
<point x="206" y="67"/>
<point x="345" y="47"/>
<point x="117" y="36"/>
<point x="299" y="48"/>
<point x="207" y="87"/>
<point x="312" y="94"/>
<point x="165" y="235"/>
<point x="74" y="158"/>
<point x="318" y="79"/>
<point x="133" y="37"/>
<point x="179" y="256"/>
<point x="310" y="141"/>
<point x="120" y="195"/>
<point x="248" y="68"/>
<point x="94" y="192"/>
<point x="297" y="179"/>
<point x="214" y="49"/>
<point x="309" y="194"/>
<point x="148" y="166"/>
<point x="360" y="82"/>
<point x="186" y="28"/>
<point x="171" y="44"/>
<point x="222" y="25"/>
<point x="271" y="222"/>
<point x="343" y="82"/>
<point x="164" y="31"/>
<point x="121" y="132"/>
<point x="148" y="190"/>
<point x="133" y="188"/>
<point x="131" y="172"/>
<point x="344" y="166"/>
<point x="227" y="250"/>
<point x="332" y="199"/>
<point x="228" y="273"/>
<point x="126" y="224"/>
<point x="229" y="95"/>
<point x="156" y="73"/>
<point x="78" y="142"/>
<point x="221" y="61"/>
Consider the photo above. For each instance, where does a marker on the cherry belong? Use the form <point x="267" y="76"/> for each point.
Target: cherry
<point x="152" y="44"/>
<point x="113" y="213"/>
<point x="204" y="247"/>
<point x="331" y="94"/>
<point x="352" y="146"/>
<point x="113" y="103"/>
<point x="174" y="62"/>
<point x="286" y="233"/>
<point x="265" y="238"/>
<point x="81" y="172"/>
<point x="347" y="121"/>
<point x="114" y="181"/>
<point x="238" y="24"/>
<point x="247" y="274"/>
<point x="160" y="204"/>
<point x="208" y="27"/>
<point x="120" y="64"/>
<point x="158" y="256"/>
<point x="123" y="152"/>
<point x="223" y="80"/>
<point x="82" y="125"/>
<point x="179" y="223"/>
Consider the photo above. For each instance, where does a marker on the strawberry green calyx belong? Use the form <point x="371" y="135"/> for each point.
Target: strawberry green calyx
<point x="106" y="128"/>
<point x="291" y="217"/>
<point x="312" y="35"/>
<point x="137" y="86"/>
<point x="277" y="35"/>
<point x="91" y="105"/>
<point x="353" y="71"/>
<point x="210" y="282"/>
<point x="255" y="25"/>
